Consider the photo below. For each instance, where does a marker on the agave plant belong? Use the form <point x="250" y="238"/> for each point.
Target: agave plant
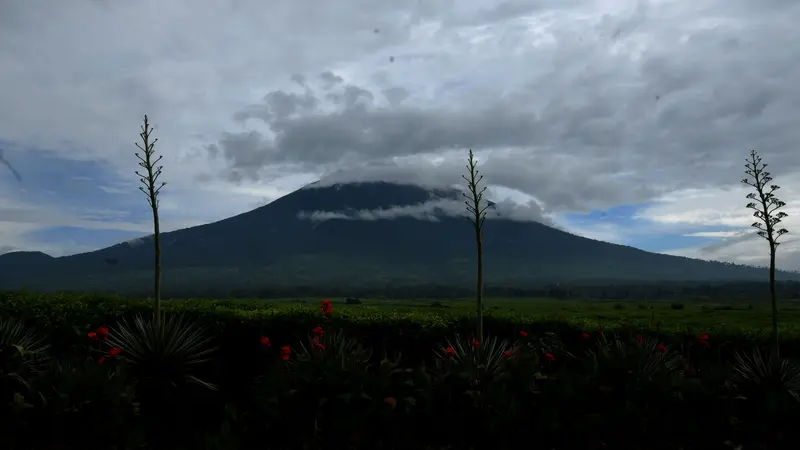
<point x="326" y="385"/>
<point x="75" y="392"/>
<point x="767" y="377"/>
<point x="332" y="365"/>
<point x="336" y="347"/>
<point x="642" y="358"/>
<point x="549" y="343"/>
<point x="471" y="377"/>
<point x="14" y="333"/>
<point x="477" y="360"/>
<point x="167" y="350"/>
<point x="21" y="356"/>
<point x="22" y="350"/>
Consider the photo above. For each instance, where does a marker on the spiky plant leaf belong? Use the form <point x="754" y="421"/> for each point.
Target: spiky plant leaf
<point x="27" y="341"/>
<point x="759" y="374"/>
<point x="169" y="350"/>
<point x="631" y="357"/>
<point x="335" y="347"/>
<point x="22" y="352"/>
<point x="486" y="358"/>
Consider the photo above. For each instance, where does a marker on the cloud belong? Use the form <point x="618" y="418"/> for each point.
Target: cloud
<point x="715" y="234"/>
<point x="432" y="210"/>
<point x="624" y="107"/>
<point x="724" y="208"/>
<point x="579" y="105"/>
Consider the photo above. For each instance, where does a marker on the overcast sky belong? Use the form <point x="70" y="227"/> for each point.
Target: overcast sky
<point x="621" y="120"/>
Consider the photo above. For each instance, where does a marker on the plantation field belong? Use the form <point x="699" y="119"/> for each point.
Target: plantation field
<point x="666" y="316"/>
<point x="735" y="318"/>
<point x="393" y="373"/>
<point x="734" y="321"/>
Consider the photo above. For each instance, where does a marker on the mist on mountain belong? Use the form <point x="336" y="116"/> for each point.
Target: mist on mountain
<point x="363" y="234"/>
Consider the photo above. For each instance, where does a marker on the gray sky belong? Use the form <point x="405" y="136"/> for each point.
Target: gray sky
<point x="627" y="121"/>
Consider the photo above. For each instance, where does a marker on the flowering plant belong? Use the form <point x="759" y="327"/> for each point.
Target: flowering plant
<point x="477" y="362"/>
<point x="618" y="362"/>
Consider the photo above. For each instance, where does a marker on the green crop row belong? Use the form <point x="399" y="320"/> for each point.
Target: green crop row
<point x="63" y="313"/>
<point x="214" y="374"/>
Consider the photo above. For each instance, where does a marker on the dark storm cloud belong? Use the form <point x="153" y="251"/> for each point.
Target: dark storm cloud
<point x="373" y="132"/>
<point x="362" y="131"/>
<point x="580" y="103"/>
<point x="654" y="100"/>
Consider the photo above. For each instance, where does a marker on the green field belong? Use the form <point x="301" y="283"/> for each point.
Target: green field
<point x="730" y="318"/>
<point x="663" y="315"/>
<point x="396" y="368"/>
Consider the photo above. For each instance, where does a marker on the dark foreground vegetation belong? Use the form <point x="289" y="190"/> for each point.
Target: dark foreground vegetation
<point x="81" y="372"/>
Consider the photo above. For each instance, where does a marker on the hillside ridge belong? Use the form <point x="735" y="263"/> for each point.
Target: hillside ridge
<point x="390" y="240"/>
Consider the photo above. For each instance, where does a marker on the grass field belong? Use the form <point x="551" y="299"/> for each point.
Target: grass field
<point x="664" y="315"/>
<point x="395" y="370"/>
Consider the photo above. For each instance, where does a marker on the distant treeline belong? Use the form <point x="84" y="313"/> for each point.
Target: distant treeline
<point x="671" y="291"/>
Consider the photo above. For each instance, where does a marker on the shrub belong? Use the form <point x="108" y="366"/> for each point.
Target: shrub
<point x="325" y="378"/>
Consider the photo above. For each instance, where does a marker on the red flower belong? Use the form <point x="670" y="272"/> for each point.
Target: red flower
<point x="101" y="360"/>
<point x="449" y="352"/>
<point x="92" y="335"/>
<point x="103" y="331"/>
<point x="507" y="354"/>
<point x="550" y="356"/>
<point x="702" y="338"/>
<point x="318" y="331"/>
<point x="114" y="351"/>
<point x="639" y="338"/>
<point x="286" y="352"/>
<point x="265" y="341"/>
<point x="661" y="348"/>
<point x="523" y="333"/>
<point x="585" y="335"/>
<point x="598" y="329"/>
<point x="319" y="346"/>
<point x="325" y="307"/>
<point x="475" y="343"/>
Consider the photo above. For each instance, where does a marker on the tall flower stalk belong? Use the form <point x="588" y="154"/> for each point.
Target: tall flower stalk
<point x="151" y="189"/>
<point x="766" y="206"/>
<point x="477" y="214"/>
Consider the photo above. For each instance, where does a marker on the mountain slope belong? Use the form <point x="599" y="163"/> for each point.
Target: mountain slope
<point x="279" y="245"/>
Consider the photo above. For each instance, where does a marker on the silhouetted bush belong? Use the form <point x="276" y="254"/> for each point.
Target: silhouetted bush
<point x="369" y="379"/>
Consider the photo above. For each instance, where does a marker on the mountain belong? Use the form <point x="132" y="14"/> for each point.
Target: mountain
<point x="359" y="234"/>
<point x="11" y="259"/>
